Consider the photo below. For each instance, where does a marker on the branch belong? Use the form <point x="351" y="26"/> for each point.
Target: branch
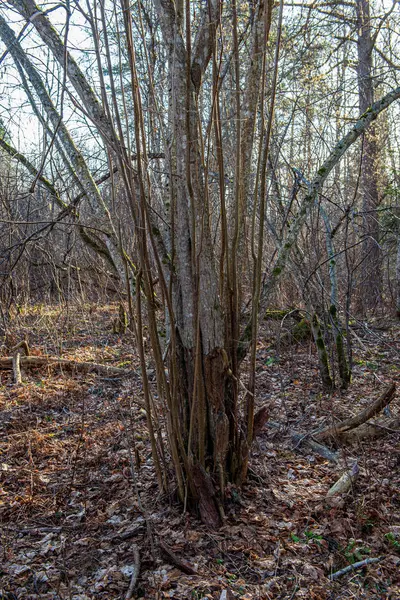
<point x="182" y="564"/>
<point x="361" y="417"/>
<point x="345" y="482"/>
<point x="203" y="43"/>
<point x="49" y="35"/>
<point x="32" y="170"/>
<point x="315" y="188"/>
<point x="353" y="567"/>
<point x="135" y="574"/>
<point x="391" y="64"/>
<point x="34" y="362"/>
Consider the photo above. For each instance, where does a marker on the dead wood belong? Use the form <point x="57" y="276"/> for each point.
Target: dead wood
<point x="135" y="574"/>
<point x="371" y="431"/>
<point x="307" y="443"/>
<point x="304" y="441"/>
<point x="338" y="429"/>
<point x="182" y="564"/>
<point x="353" y="567"/>
<point x="33" y="362"/>
<point x="16" y="360"/>
<point x="260" y="418"/>
<point x="345" y="482"/>
<point x="207" y="499"/>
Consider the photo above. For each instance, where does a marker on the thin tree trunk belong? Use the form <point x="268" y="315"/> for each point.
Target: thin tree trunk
<point x="398" y="278"/>
<point x="371" y="266"/>
<point x="316" y="186"/>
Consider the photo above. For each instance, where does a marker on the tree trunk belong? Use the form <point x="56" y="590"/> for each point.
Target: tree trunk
<point x="371" y="271"/>
<point x="398" y="278"/>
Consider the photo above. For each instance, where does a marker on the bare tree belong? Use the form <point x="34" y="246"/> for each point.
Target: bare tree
<point x="188" y="235"/>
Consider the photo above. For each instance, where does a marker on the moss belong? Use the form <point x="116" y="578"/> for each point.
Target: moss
<point x="275" y="314"/>
<point x="276" y="271"/>
<point x="339" y="342"/>
<point x="302" y="330"/>
<point x="320" y="343"/>
<point x="322" y="171"/>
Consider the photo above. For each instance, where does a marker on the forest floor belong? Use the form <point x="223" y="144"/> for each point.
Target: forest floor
<point x="71" y="515"/>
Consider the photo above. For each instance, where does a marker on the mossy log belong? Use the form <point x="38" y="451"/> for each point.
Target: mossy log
<point x="299" y="332"/>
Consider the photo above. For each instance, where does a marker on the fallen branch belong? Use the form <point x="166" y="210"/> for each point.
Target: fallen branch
<point x="360" y="418"/>
<point x="33" y="362"/>
<point x="304" y="441"/>
<point x="345" y="482"/>
<point x="371" y="431"/>
<point x="181" y="563"/>
<point x="357" y="565"/>
<point x="135" y="574"/>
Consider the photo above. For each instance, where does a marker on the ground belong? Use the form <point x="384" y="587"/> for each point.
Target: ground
<point x="78" y="493"/>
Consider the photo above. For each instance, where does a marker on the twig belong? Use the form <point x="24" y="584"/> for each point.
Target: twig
<point x="135" y="574"/>
<point x="357" y="565"/>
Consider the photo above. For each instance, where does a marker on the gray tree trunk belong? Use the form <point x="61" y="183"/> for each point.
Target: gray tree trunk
<point x="371" y="271"/>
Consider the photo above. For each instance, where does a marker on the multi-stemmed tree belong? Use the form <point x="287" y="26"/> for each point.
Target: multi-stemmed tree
<point x="193" y="216"/>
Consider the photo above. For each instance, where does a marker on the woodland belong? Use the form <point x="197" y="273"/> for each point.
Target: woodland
<point x="199" y="299"/>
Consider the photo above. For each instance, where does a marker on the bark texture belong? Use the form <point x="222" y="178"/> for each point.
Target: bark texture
<point x="371" y="271"/>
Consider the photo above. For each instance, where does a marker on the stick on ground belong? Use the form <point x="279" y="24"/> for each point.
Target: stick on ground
<point x="360" y="418"/>
<point x="357" y="565"/>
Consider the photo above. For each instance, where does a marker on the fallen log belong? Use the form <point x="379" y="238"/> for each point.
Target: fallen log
<point x="34" y="362"/>
<point x="371" y="431"/>
<point x="305" y="443"/>
<point x="308" y="444"/>
<point x="338" y="429"/>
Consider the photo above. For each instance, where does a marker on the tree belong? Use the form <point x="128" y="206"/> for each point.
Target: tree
<point x="187" y="236"/>
<point x="372" y="276"/>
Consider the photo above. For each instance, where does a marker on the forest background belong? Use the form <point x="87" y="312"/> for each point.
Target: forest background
<point x="211" y="184"/>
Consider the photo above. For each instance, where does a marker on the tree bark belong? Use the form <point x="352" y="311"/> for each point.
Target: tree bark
<point x="315" y="188"/>
<point x="371" y="267"/>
